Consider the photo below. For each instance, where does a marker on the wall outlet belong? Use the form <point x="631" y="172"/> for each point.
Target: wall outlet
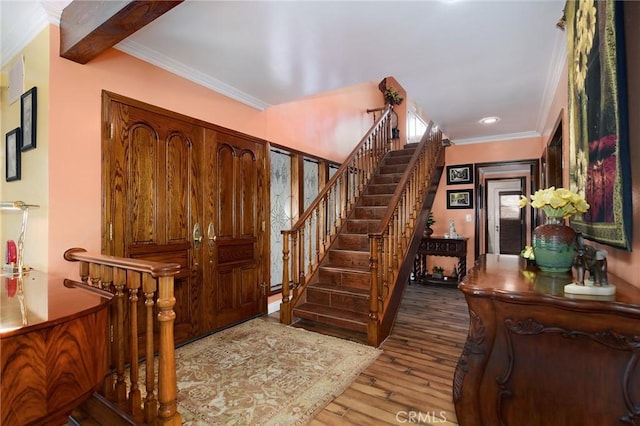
<point x="468" y="218"/>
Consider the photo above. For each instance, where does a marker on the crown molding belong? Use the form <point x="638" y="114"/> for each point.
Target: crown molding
<point x="153" y="57"/>
<point x="54" y="10"/>
<point x="497" y="138"/>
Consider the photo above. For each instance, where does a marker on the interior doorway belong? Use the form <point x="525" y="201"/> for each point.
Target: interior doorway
<point x="501" y="226"/>
<point x="505" y="219"/>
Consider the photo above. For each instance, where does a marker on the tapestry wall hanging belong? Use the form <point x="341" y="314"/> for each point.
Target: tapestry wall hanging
<point x="598" y="133"/>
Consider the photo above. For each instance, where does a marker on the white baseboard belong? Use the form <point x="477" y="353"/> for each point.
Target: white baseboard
<point x="273" y="307"/>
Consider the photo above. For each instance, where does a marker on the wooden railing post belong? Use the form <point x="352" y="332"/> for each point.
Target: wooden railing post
<point x="107" y="285"/>
<point x="285" y="309"/>
<point x="120" y="281"/>
<point x="167" y="412"/>
<point x="149" y="288"/>
<point x="135" y="398"/>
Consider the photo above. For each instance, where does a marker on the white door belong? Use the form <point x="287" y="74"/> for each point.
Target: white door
<point x="501" y="204"/>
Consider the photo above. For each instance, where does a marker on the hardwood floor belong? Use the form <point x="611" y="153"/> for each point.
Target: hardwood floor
<point x="411" y="382"/>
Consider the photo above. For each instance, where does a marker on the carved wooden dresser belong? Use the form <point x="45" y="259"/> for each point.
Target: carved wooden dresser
<point x="535" y="356"/>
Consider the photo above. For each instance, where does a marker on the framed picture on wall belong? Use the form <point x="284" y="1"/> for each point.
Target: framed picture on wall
<point x="28" y="116"/>
<point x="12" y="155"/>
<point x="460" y="174"/>
<point x="460" y="198"/>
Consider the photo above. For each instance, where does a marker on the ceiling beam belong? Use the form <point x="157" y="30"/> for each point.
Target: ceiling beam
<point x="88" y="28"/>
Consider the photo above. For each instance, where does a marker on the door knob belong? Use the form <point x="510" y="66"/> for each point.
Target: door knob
<point x="197" y="235"/>
<point x="211" y="234"/>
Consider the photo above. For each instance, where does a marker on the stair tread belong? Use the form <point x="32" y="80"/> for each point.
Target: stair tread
<point x="340" y="288"/>
<point x="352" y="269"/>
<point x="359" y="251"/>
<point x="327" y="311"/>
<point x="354" y="234"/>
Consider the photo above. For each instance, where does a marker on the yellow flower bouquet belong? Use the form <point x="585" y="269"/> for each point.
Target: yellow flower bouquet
<point x="558" y="203"/>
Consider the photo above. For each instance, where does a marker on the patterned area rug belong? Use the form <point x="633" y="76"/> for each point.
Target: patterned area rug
<point x="264" y="373"/>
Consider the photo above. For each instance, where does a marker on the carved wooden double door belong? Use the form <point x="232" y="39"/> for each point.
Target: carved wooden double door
<point x="178" y="190"/>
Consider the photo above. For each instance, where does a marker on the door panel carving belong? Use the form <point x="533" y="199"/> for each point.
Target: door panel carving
<point x="142" y="142"/>
<point x="180" y="171"/>
<point x="247" y="185"/>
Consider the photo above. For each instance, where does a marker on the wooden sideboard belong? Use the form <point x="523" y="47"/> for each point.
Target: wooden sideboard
<point x="52" y="347"/>
<point x="440" y="246"/>
<point x="535" y="356"/>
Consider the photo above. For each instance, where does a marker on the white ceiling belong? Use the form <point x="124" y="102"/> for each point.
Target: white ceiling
<point x="458" y="60"/>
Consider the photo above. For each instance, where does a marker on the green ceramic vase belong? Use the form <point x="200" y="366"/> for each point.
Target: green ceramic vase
<point x="554" y="245"/>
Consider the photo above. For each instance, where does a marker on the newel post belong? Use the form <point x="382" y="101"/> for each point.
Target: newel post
<point x="285" y="306"/>
<point x="167" y="414"/>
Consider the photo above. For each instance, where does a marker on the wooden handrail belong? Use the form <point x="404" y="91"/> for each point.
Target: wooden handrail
<point x="311" y="235"/>
<point x="145" y="279"/>
<point x="156" y="269"/>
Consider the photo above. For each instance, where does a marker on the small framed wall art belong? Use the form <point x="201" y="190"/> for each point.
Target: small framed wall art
<point x="12" y="155"/>
<point x="460" y="198"/>
<point x="460" y="174"/>
<point x="28" y="118"/>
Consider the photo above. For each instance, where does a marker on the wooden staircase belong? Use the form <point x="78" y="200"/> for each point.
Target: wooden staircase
<point x="349" y="256"/>
<point x="339" y="294"/>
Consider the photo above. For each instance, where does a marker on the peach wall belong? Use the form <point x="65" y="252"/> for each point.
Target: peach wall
<point x="75" y="131"/>
<point x="508" y="150"/>
<point x="327" y="125"/>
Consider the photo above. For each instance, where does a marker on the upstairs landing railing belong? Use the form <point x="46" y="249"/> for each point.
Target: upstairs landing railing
<point x="129" y="279"/>
<point x="389" y="245"/>
<point x="305" y="244"/>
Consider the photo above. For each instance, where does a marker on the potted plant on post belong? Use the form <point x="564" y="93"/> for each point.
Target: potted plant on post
<point x="392" y="96"/>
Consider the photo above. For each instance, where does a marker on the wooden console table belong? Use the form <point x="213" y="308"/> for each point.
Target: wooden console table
<point x="440" y="246"/>
<point x="53" y="341"/>
<point x="536" y="356"/>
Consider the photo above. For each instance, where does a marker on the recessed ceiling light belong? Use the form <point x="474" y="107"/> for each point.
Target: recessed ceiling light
<point x="490" y="120"/>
